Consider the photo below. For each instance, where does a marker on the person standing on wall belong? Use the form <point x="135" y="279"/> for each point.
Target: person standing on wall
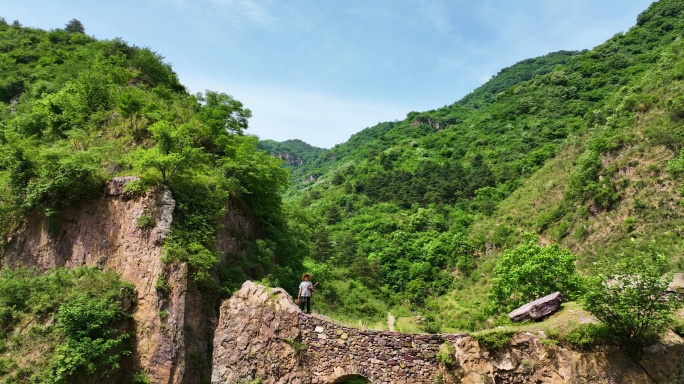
<point x="305" y="291"/>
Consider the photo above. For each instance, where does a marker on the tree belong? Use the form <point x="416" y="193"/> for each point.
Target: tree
<point x="531" y="271"/>
<point x="322" y="245"/>
<point x="630" y="299"/>
<point x="172" y="154"/>
<point x="130" y="105"/>
<point x="222" y="115"/>
<point x="93" y="90"/>
<point x="75" y="26"/>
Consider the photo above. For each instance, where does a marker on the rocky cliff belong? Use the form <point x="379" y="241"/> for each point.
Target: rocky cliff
<point x="173" y="324"/>
<point x="262" y="335"/>
<point x="103" y="233"/>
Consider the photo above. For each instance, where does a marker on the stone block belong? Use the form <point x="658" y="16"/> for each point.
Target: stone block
<point x="677" y="284"/>
<point x="537" y="309"/>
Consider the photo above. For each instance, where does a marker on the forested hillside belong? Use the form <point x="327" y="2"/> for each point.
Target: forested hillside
<point x="572" y="160"/>
<point x="580" y="148"/>
<point x="75" y="112"/>
<point x="298" y="157"/>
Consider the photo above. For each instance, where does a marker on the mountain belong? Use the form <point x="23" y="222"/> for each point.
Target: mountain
<point x="580" y="148"/>
<point x="98" y="139"/>
<point x="159" y="203"/>
<point x="299" y="157"/>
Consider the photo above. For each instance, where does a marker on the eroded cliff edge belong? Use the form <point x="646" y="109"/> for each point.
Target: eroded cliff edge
<point x="103" y="233"/>
<point x="262" y="335"/>
<point x="173" y="327"/>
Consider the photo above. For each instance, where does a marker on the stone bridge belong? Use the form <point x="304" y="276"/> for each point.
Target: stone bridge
<point x="382" y="357"/>
<point x="262" y="337"/>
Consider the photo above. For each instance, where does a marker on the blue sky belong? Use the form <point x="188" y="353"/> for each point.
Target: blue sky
<point x="322" y="70"/>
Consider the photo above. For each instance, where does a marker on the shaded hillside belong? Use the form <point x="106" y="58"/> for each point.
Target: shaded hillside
<point x="297" y="156"/>
<point x="411" y="210"/>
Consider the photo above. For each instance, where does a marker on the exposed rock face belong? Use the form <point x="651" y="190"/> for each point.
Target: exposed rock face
<point x="259" y="337"/>
<point x="175" y="348"/>
<point x="527" y="360"/>
<point x="677" y="283"/>
<point x="103" y="233"/>
<point x="537" y="309"/>
<point x="291" y="159"/>
<point x="262" y="335"/>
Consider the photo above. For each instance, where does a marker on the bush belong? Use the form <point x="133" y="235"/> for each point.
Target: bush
<point x="432" y="326"/>
<point x="678" y="327"/>
<point x="630" y="300"/>
<point x="587" y="335"/>
<point x="85" y="317"/>
<point x="445" y="355"/>
<point x="530" y="271"/>
<point x="145" y="221"/>
<point x="494" y="340"/>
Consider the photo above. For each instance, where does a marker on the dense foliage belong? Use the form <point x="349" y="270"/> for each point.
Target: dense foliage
<point x="65" y="326"/>
<point x="629" y="298"/>
<point x="568" y="146"/>
<point x="529" y="272"/>
<point x="76" y="111"/>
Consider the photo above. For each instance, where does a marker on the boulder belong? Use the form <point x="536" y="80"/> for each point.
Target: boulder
<point x="677" y="283"/>
<point x="537" y="309"/>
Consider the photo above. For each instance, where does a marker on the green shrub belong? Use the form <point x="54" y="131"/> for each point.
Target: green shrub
<point x="628" y="224"/>
<point x="163" y="314"/>
<point x="494" y="340"/>
<point x="145" y="221"/>
<point x="431" y="325"/>
<point x="162" y="285"/>
<point x="531" y="271"/>
<point x="446" y="355"/>
<point x="140" y="378"/>
<point x="675" y="109"/>
<point x="678" y="327"/>
<point x="627" y="296"/>
<point x="587" y="335"/>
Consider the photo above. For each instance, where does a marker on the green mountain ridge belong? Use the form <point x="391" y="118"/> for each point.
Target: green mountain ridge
<point x="583" y="149"/>
<point x="572" y="147"/>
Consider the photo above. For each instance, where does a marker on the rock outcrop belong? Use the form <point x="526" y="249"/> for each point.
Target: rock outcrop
<point x="124" y="231"/>
<point x="258" y="336"/>
<point x="262" y="335"/>
<point x="537" y="309"/>
<point x="106" y="233"/>
<point x="677" y="283"/>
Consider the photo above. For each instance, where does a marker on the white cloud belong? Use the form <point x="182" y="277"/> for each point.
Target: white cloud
<point x="238" y="14"/>
<point x="255" y="13"/>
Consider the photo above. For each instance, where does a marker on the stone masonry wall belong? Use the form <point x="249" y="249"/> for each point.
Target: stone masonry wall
<point x="382" y="357"/>
<point x="262" y="335"/>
